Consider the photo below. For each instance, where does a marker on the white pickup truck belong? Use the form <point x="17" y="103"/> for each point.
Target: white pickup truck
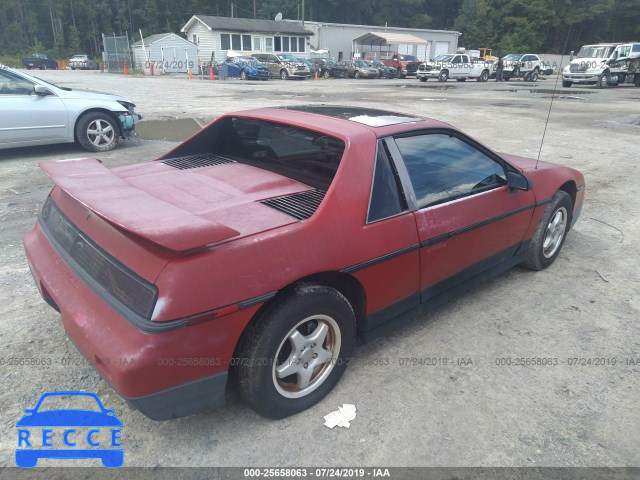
<point x="459" y="66"/>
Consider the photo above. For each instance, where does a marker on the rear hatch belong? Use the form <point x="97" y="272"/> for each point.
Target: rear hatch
<point x="180" y="204"/>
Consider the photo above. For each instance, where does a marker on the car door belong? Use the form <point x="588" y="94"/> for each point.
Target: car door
<point x="457" y="67"/>
<point x="29" y="118"/>
<point x="468" y="219"/>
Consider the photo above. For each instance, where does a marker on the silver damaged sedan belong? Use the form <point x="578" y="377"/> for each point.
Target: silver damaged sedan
<point x="35" y="112"/>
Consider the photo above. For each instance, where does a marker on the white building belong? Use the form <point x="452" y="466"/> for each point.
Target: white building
<point x="340" y="40"/>
<point x="215" y="36"/>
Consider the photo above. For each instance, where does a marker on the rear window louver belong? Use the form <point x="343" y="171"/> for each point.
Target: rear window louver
<point x="197" y="161"/>
<point x="299" y="205"/>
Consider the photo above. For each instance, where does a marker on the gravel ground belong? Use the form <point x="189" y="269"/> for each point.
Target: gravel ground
<point x="465" y="413"/>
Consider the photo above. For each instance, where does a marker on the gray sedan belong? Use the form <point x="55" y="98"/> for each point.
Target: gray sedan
<point x="35" y="112"/>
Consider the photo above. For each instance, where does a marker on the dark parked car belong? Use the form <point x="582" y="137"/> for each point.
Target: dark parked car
<point x="245" y="67"/>
<point x="330" y="68"/>
<point x="264" y="245"/>
<point x="385" y="70"/>
<point x="40" y="61"/>
<point x="313" y="68"/>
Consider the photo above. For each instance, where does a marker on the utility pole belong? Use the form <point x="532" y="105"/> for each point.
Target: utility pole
<point x="254" y="9"/>
<point x="302" y="12"/>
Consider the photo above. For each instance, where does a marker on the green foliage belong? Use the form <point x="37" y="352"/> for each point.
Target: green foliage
<point x="67" y="27"/>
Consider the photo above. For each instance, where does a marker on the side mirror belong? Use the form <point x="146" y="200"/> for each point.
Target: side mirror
<point x="517" y="181"/>
<point x="40" y="90"/>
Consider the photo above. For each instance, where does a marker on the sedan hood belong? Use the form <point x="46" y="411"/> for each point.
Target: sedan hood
<point x="91" y="95"/>
<point x="179" y="209"/>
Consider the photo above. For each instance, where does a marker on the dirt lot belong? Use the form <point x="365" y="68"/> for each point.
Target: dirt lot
<point x="473" y="413"/>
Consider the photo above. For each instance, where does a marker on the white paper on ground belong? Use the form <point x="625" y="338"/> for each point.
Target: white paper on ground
<point x="341" y="417"/>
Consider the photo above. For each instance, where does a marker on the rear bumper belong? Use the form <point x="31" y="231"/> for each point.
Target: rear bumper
<point x="164" y="375"/>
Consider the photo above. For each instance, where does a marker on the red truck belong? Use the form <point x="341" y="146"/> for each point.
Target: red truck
<point x="407" y="65"/>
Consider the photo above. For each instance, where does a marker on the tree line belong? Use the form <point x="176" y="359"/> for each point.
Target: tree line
<point x="66" y="27"/>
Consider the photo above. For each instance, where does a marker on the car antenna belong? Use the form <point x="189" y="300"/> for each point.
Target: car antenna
<point x="555" y="88"/>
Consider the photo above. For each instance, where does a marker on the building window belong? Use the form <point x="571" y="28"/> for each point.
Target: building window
<point x="194" y="38"/>
<point x="268" y="44"/>
<point x="246" y="42"/>
<point x="285" y="44"/>
<point x="225" y="41"/>
<point x="294" y="44"/>
<point x="301" y="42"/>
<point x="236" y="42"/>
<point x="278" y="44"/>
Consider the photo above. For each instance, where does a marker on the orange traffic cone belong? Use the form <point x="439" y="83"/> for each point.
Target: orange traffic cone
<point x="190" y="75"/>
<point x="211" y="75"/>
<point x="126" y="69"/>
<point x="315" y="77"/>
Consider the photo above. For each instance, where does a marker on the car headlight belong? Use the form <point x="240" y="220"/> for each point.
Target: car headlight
<point x="131" y="107"/>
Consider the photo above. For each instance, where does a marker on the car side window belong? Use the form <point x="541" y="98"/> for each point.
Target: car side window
<point x="386" y="197"/>
<point x="11" y="84"/>
<point x="442" y="167"/>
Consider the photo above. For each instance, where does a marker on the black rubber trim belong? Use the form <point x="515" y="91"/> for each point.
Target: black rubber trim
<point x="193" y="397"/>
<point x="483" y="223"/>
<point x="241" y="305"/>
<point x="380" y="259"/>
<point x="442" y="238"/>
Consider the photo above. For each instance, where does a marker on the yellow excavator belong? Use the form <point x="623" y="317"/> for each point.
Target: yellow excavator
<point x="487" y="54"/>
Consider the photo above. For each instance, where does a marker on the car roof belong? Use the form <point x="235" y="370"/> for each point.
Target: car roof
<point x="342" y="121"/>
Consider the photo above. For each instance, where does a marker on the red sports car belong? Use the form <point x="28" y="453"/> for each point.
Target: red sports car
<point x="261" y="248"/>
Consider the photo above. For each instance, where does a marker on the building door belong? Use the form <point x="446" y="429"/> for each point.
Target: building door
<point x="257" y="44"/>
<point x="441" y="48"/>
<point x="268" y="44"/>
<point x="423" y="52"/>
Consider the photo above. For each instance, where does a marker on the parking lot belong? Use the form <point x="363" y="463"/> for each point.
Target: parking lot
<point x="466" y="402"/>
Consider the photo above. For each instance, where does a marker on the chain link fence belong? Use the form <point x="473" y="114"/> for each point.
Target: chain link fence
<point x="116" y="53"/>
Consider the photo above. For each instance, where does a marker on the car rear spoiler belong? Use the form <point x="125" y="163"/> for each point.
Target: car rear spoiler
<point x="133" y="210"/>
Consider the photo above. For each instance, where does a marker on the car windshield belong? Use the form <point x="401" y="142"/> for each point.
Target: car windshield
<point x="330" y="62"/>
<point x="595" y="51"/>
<point x="65" y="402"/>
<point x="513" y="57"/>
<point x="408" y="58"/>
<point x="361" y="63"/>
<point x="300" y="154"/>
<point x="288" y="58"/>
<point x="443" y="58"/>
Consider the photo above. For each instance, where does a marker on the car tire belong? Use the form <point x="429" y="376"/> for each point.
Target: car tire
<point x="268" y="346"/>
<point x="603" y="80"/>
<point x="484" y="77"/>
<point x="284" y="75"/>
<point x="97" y="132"/>
<point x="243" y="75"/>
<point x="566" y="84"/>
<point x="533" y="76"/>
<point x="423" y="79"/>
<point x="444" y="76"/>
<point x="356" y="75"/>
<point x="551" y="232"/>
